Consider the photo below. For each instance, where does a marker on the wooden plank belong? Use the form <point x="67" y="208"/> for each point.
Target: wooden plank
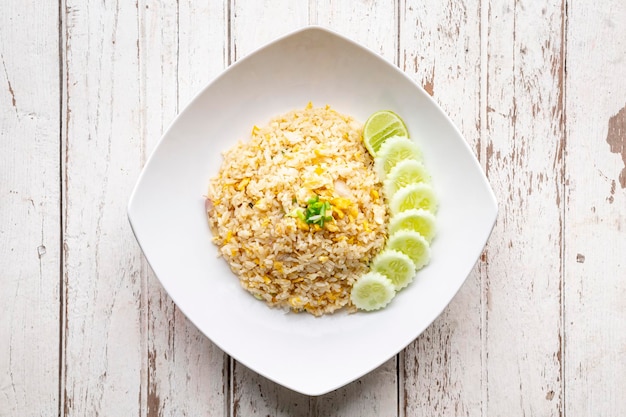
<point x="372" y="395"/>
<point x="158" y="56"/>
<point x="179" y="52"/>
<point x="443" y="368"/>
<point x="595" y="220"/>
<point x="253" y="24"/>
<point x="355" y="20"/>
<point x="103" y="359"/>
<point x="29" y="207"/>
<point x="376" y="393"/>
<point x="524" y="143"/>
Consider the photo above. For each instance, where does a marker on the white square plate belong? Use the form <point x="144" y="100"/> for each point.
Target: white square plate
<point x="306" y="354"/>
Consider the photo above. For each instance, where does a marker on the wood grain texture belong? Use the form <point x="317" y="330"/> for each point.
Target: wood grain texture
<point x="537" y="89"/>
<point x="29" y="209"/>
<point x="158" y="53"/>
<point x="253" y="24"/>
<point x="182" y="45"/>
<point x="372" y="395"/>
<point x="524" y="156"/>
<point x="443" y="369"/>
<point x="353" y="20"/>
<point x="102" y="346"/>
<point x="595" y="215"/>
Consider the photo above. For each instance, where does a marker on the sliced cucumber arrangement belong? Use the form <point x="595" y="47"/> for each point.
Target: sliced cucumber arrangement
<point x="406" y="172"/>
<point x="411" y="244"/>
<point x="394" y="150"/>
<point x="418" y="220"/>
<point x="372" y="291"/>
<point x="412" y="206"/>
<point x="413" y="196"/>
<point x="396" y="266"/>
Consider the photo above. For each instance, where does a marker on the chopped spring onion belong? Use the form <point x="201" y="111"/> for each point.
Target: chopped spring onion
<point x="316" y="212"/>
<point x="297" y="212"/>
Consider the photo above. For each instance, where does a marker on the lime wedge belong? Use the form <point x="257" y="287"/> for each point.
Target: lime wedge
<point x="404" y="173"/>
<point x="418" y="220"/>
<point x="394" y="150"/>
<point x="372" y="291"/>
<point x="411" y="244"/>
<point x="413" y="196"/>
<point x="381" y="126"/>
<point x="396" y="266"/>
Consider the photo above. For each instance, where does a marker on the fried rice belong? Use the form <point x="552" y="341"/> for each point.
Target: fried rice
<point x="255" y="209"/>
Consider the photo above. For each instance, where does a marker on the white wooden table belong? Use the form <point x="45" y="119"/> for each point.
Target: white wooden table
<point x="537" y="88"/>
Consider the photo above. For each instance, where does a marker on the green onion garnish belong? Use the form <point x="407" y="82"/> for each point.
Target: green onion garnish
<point x="316" y="212"/>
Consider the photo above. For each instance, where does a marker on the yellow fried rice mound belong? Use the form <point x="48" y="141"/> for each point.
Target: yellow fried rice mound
<point x="278" y="256"/>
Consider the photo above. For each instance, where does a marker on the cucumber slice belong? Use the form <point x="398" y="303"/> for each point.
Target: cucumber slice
<point x="413" y="196"/>
<point x="372" y="291"/>
<point x="418" y="220"/>
<point x="396" y="266"/>
<point x="405" y="173"/>
<point x="411" y="244"/>
<point x="394" y="150"/>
